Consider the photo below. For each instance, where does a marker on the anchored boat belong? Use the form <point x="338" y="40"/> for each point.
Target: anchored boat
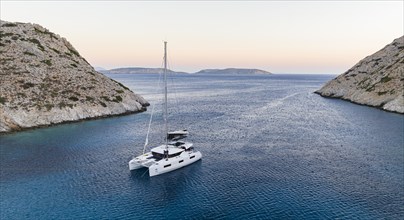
<point x="171" y="155"/>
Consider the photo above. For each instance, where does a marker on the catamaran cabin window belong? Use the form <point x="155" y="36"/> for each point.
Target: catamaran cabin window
<point x="174" y="155"/>
<point x="167" y="165"/>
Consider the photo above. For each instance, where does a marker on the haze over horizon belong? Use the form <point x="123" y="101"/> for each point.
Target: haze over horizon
<point x="279" y="37"/>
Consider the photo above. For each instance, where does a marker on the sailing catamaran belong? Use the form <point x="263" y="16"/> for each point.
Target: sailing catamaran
<point x="171" y="155"/>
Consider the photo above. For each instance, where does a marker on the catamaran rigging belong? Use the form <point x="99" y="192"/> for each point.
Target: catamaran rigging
<point x="173" y="154"/>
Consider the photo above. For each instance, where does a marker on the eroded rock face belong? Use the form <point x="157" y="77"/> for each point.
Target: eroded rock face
<point x="377" y="80"/>
<point x="45" y="81"/>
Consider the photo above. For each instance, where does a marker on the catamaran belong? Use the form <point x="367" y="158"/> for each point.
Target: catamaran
<point x="174" y="153"/>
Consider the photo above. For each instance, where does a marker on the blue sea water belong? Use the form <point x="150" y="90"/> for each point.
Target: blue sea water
<point x="271" y="150"/>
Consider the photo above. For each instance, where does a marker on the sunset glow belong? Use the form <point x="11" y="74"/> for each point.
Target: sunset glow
<point x="280" y="37"/>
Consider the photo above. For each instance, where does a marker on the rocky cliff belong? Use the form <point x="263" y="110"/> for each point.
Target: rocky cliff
<point x="45" y="81"/>
<point x="232" y="71"/>
<point x="377" y="80"/>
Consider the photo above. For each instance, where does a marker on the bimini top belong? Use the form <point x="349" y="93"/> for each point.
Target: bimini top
<point x="181" y="144"/>
<point x="177" y="135"/>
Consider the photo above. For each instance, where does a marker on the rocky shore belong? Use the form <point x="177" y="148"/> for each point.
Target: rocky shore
<point x="45" y="81"/>
<point x="377" y="80"/>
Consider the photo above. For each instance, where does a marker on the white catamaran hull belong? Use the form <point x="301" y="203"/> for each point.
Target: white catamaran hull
<point x="133" y="165"/>
<point x="164" y="165"/>
<point x="140" y="161"/>
<point x="170" y="164"/>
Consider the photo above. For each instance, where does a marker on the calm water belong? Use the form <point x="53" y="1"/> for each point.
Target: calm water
<point x="272" y="150"/>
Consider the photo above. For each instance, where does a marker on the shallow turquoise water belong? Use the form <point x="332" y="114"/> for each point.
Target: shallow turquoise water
<point x="272" y="150"/>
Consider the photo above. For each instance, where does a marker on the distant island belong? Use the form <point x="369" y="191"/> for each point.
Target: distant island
<point x="235" y="71"/>
<point x="45" y="81"/>
<point x="97" y="68"/>
<point x="377" y="80"/>
<point x="137" y="70"/>
<point x="144" y="70"/>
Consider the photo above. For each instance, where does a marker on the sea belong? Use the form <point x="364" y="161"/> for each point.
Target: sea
<point x="272" y="149"/>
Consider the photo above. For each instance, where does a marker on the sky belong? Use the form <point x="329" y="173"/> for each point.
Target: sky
<point x="325" y="37"/>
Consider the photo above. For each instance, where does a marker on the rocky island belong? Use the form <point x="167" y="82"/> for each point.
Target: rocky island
<point x="145" y="70"/>
<point x="138" y="70"/>
<point x="235" y="71"/>
<point x="45" y="81"/>
<point x="377" y="80"/>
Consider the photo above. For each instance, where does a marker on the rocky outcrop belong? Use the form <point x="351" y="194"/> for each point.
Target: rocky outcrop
<point x="45" y="81"/>
<point x="235" y="71"/>
<point x="377" y="80"/>
<point x="138" y="70"/>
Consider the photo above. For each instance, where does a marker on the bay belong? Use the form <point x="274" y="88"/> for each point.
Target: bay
<point x="272" y="149"/>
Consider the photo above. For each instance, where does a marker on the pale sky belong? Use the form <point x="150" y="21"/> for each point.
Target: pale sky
<point x="277" y="36"/>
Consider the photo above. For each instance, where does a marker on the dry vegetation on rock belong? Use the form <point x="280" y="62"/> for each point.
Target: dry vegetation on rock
<point x="377" y="80"/>
<point x="44" y="81"/>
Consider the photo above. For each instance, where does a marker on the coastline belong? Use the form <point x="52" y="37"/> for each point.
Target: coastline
<point x="380" y="107"/>
<point x="143" y="109"/>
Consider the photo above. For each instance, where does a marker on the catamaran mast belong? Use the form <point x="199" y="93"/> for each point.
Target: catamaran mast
<point x="165" y="94"/>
